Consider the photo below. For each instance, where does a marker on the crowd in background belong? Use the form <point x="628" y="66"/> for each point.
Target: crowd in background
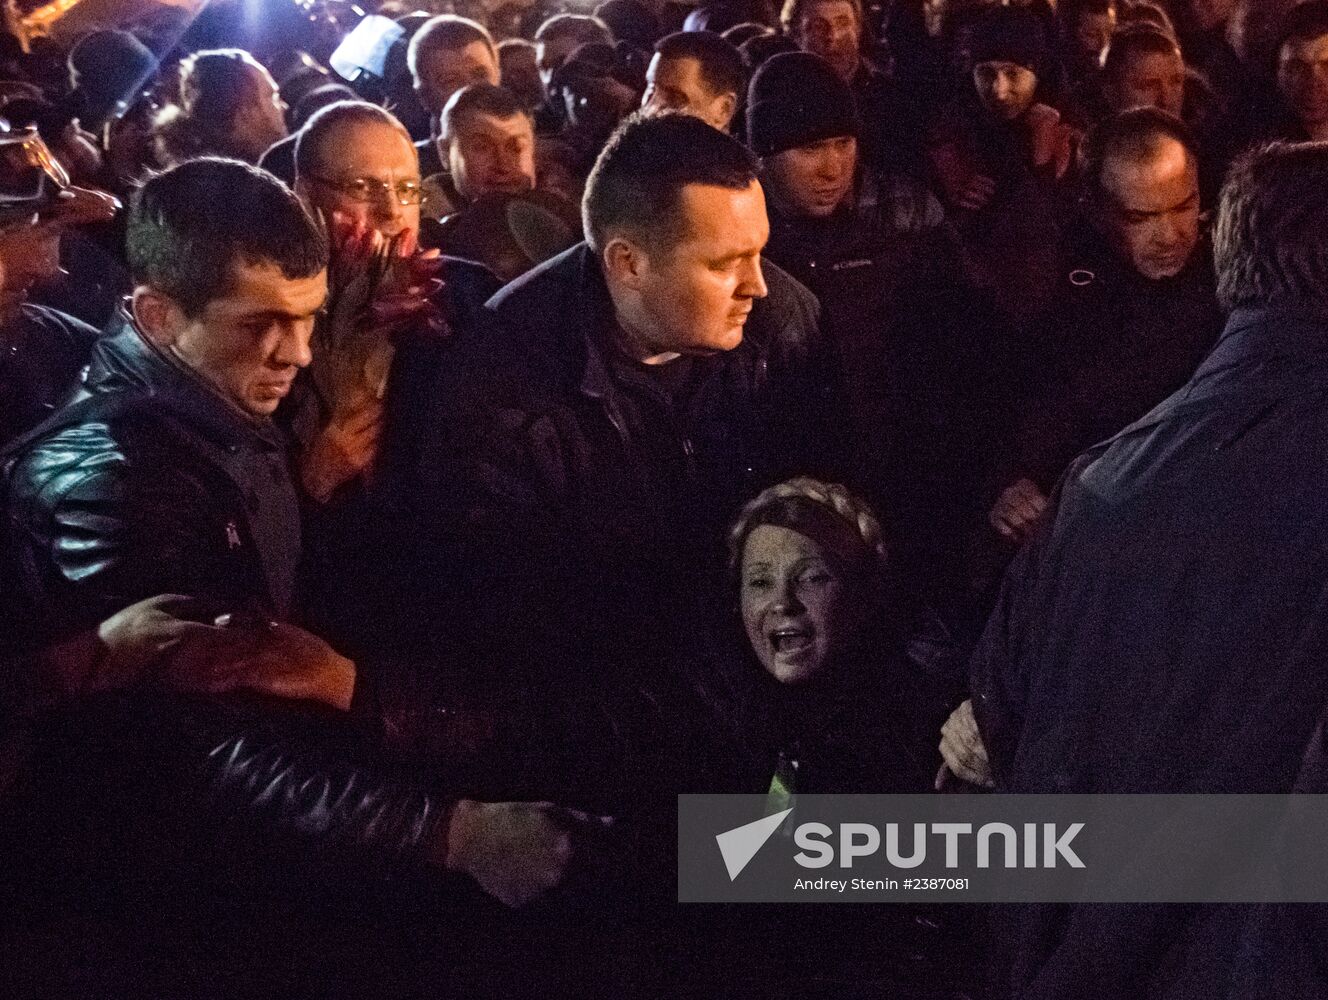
<point x="433" y="440"/>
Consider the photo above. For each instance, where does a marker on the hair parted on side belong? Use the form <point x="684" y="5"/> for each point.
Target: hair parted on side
<point x="326" y="122"/>
<point x="635" y="185"/>
<point x="189" y="225"/>
<point x="787" y="503"/>
<point x="1137" y="134"/>
<point x="1270" y="244"/>
<point x="446" y="31"/>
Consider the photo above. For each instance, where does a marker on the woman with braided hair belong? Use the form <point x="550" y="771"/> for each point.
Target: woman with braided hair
<point x="826" y="700"/>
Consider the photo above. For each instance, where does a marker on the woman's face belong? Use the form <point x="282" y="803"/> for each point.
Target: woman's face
<point x="798" y="607"/>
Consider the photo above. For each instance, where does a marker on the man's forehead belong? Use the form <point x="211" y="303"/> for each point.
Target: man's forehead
<point x="1165" y="177"/>
<point x="830" y="9"/>
<point x="364" y="149"/>
<point x="261" y="286"/>
<point x="720" y="215"/>
<point x="517" y="124"/>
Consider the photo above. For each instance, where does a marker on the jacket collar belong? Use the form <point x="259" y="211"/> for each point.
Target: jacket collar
<point x="126" y="361"/>
<point x="1270" y="332"/>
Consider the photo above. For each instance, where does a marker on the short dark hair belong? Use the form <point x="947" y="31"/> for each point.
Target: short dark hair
<point x="1270" y="244"/>
<point x="327" y="121"/>
<point x="1304" y="21"/>
<point x="190" y="224"/>
<point x="719" y="61"/>
<point x="446" y="31"/>
<point x="794" y="11"/>
<point x="581" y="27"/>
<point x="1136" y="133"/>
<point x="479" y="99"/>
<point x="1136" y="40"/>
<point x="636" y="183"/>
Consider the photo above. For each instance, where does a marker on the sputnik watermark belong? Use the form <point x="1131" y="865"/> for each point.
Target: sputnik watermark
<point x="1003" y="848"/>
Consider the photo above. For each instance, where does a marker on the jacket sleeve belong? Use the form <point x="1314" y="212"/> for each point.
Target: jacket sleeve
<point x="250" y="796"/>
<point x="97" y="536"/>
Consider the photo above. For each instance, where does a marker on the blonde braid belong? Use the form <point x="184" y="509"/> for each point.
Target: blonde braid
<point x="832" y="496"/>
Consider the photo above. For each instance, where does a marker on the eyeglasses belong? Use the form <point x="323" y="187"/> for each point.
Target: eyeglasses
<point x="371" y="190"/>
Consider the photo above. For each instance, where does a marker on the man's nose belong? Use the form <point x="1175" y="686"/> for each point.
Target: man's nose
<point x="753" y="285"/>
<point x="295" y="347"/>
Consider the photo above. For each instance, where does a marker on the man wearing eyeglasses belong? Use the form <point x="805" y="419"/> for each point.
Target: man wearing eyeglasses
<point x="356" y="165"/>
<point x="41" y="349"/>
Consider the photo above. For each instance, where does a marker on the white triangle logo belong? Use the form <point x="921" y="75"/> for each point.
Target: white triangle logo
<point x="740" y="844"/>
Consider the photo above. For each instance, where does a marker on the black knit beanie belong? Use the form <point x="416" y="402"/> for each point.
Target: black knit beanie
<point x="795" y="99"/>
<point x="1009" y="34"/>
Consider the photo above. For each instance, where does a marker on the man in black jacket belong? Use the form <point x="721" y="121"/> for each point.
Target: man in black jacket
<point x="168" y="477"/>
<point x="635" y="391"/>
<point x="1136" y="312"/>
<point x="1163" y="630"/>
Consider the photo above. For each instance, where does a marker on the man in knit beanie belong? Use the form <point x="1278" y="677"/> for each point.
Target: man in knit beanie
<point x="867" y="245"/>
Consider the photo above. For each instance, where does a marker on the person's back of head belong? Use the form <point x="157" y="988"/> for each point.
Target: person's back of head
<point x="560" y="35"/>
<point x="631" y="21"/>
<point x="190" y="226"/>
<point x="317" y="99"/>
<point x="229" y="105"/>
<point x="756" y="52"/>
<point x="1270" y="244"/>
<point x="108" y="68"/>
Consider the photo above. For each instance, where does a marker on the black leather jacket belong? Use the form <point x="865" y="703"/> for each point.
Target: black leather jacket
<point x="147" y="483"/>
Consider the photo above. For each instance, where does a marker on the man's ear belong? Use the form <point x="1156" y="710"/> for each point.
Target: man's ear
<point x="158" y="316"/>
<point x="727" y="107"/>
<point x="624" y="263"/>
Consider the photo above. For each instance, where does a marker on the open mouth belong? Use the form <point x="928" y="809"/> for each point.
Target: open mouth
<point x="791" y="640"/>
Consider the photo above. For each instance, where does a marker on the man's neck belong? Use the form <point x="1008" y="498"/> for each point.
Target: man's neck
<point x="638" y="348"/>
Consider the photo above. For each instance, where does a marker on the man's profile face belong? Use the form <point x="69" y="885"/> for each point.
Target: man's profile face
<point x="252" y="340"/>
<point x="1150" y="213"/>
<point x="677" y="85"/>
<point x="697" y="295"/>
<point x="443" y="72"/>
<point x="830" y="29"/>
<point x="1302" y="76"/>
<point x="376" y="152"/>
<point x="812" y="180"/>
<point x="262" y="121"/>
<point x="1149" y="80"/>
<point x="493" y="156"/>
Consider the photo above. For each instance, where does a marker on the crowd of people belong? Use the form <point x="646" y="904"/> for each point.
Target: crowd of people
<point x="431" y="442"/>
